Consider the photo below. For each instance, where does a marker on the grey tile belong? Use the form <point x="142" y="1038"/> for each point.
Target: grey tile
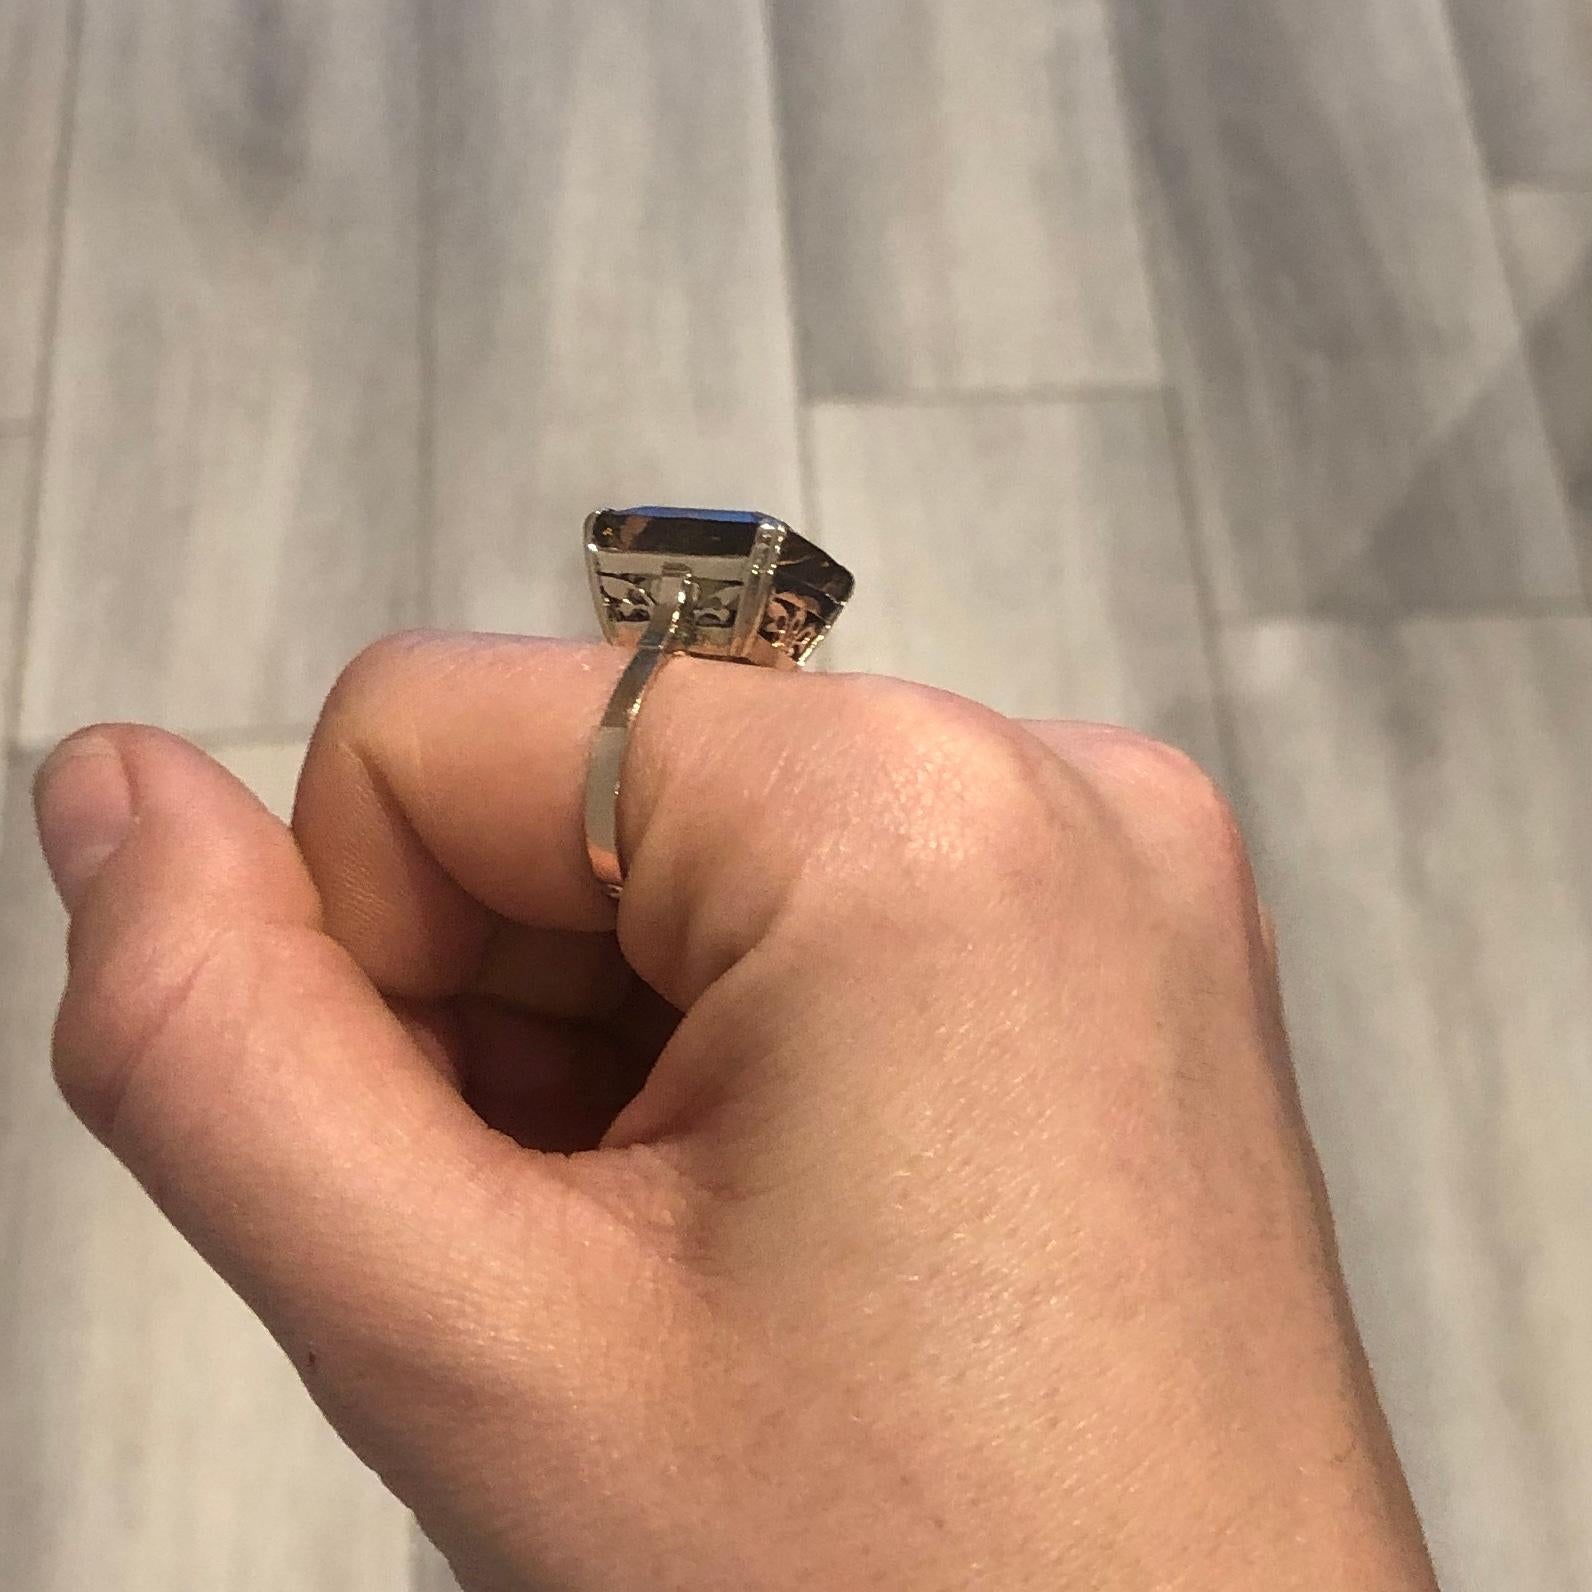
<point x="155" y="1437"/>
<point x="1362" y="424"/>
<point x="962" y="210"/>
<point x="230" y="494"/>
<point x="611" y="323"/>
<point x="35" y="61"/>
<point x="1530" y="68"/>
<point x="1421" y="801"/>
<point x="1548" y="247"/>
<point x="1030" y="555"/>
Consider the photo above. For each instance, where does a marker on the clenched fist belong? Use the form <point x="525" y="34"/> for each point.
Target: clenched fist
<point x="904" y="1189"/>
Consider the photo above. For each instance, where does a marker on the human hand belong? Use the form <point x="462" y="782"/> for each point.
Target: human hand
<point x="963" y="1232"/>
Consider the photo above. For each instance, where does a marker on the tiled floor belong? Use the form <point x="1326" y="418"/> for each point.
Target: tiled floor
<point x="1223" y="366"/>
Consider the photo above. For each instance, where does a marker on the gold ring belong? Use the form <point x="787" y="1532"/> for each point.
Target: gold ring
<point x="714" y="583"/>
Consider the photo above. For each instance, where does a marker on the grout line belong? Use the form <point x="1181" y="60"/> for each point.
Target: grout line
<point x="1494" y="185"/>
<point x="252" y="735"/>
<point x="425" y="525"/>
<point x="44" y="374"/>
<point x="1527" y="328"/>
<point x="1205" y="605"/>
<point x="1503" y="186"/>
<point x="228" y="736"/>
<point x="1179" y="439"/>
<point x="806" y="471"/>
<point x="1458" y="62"/>
<point x="1371" y="618"/>
<point x="807" y="466"/>
<point x="972" y="397"/>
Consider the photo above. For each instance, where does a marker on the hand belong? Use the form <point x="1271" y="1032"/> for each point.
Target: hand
<point x="963" y="1232"/>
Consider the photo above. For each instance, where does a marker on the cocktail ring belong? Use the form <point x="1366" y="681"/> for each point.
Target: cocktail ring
<point x="716" y="584"/>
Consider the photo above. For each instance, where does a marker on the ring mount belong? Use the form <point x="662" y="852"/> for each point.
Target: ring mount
<point x="733" y="585"/>
<point x="765" y="594"/>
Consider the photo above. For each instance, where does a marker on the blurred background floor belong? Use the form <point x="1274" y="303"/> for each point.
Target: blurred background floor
<point x="1219" y="366"/>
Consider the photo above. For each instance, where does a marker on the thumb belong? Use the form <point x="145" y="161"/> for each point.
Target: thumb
<point x="244" y="1069"/>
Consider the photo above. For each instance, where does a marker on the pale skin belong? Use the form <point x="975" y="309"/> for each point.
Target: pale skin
<point x="963" y="1233"/>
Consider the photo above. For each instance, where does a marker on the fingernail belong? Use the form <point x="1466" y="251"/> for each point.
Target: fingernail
<point x="84" y="805"/>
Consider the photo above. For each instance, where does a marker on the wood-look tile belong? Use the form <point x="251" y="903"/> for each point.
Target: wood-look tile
<point x="1030" y="555"/>
<point x="1548" y="246"/>
<point x="1362" y="424"/>
<point x="35" y="68"/>
<point x="231" y="478"/>
<point x="962" y="209"/>
<point x="16" y="463"/>
<point x="1529" y="63"/>
<point x="1421" y="802"/>
<point x="611" y="319"/>
<point x="156" y="1439"/>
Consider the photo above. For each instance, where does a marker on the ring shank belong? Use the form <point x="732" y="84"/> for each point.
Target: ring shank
<point x="667" y="633"/>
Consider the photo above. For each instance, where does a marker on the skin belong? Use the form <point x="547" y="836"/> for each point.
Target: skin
<point x="963" y="1231"/>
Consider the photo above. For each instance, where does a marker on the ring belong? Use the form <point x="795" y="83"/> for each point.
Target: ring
<point x="742" y="587"/>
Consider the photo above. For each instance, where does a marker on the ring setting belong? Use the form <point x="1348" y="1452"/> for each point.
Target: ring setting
<point x="734" y="585"/>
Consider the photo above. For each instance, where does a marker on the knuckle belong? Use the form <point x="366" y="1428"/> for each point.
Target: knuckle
<point x="131" y="1011"/>
<point x="1199" y="833"/>
<point x="371" y="676"/>
<point x="958" y="784"/>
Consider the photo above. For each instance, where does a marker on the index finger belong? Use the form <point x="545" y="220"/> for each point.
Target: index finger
<point x="443" y="795"/>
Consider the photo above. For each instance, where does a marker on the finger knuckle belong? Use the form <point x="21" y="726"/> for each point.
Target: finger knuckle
<point x="1202" y="840"/>
<point x="957" y="784"/>
<point x="122" y="1017"/>
<point x="371" y="675"/>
